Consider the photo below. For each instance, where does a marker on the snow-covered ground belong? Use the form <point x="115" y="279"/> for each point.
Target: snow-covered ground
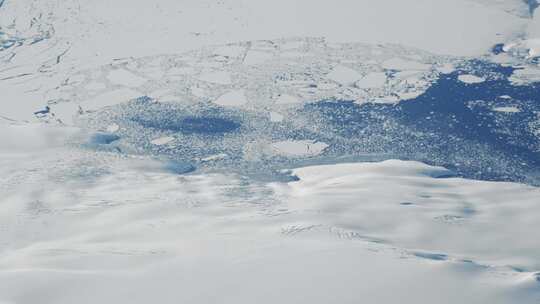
<point x="241" y="151"/>
<point x="86" y="228"/>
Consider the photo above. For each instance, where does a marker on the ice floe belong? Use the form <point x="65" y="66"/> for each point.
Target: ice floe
<point x="231" y="99"/>
<point x="126" y="78"/>
<point x="299" y="148"/>
<point x="344" y="75"/>
<point x="470" y="79"/>
<point x="162" y="140"/>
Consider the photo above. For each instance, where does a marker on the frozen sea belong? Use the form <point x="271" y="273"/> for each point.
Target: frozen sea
<point x="236" y="151"/>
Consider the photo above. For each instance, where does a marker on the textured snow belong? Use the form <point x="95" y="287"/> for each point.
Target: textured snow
<point x="429" y="216"/>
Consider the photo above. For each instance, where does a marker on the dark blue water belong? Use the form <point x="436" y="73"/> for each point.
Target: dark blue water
<point x="533" y="5"/>
<point x="452" y="124"/>
<point x="102" y="138"/>
<point x="498" y="48"/>
<point x="208" y="125"/>
<point x="203" y="121"/>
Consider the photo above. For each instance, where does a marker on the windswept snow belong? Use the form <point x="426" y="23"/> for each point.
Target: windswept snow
<point x="456" y="217"/>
